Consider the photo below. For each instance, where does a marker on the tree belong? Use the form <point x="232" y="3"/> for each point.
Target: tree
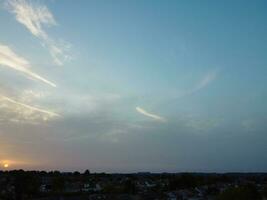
<point x="129" y="187"/>
<point x="87" y="172"/>
<point x="183" y="181"/>
<point x="248" y="192"/>
<point x="76" y="173"/>
<point x="58" y="184"/>
<point x="26" y="183"/>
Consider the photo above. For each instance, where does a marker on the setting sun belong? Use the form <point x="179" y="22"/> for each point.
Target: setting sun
<point x="6" y="165"/>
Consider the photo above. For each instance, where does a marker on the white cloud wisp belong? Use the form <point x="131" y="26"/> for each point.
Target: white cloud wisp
<point x="150" y="115"/>
<point x="15" y="111"/>
<point x="35" y="17"/>
<point x="10" y="59"/>
<point x="207" y="79"/>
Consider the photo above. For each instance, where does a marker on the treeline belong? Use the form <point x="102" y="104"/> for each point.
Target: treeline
<point x="20" y="184"/>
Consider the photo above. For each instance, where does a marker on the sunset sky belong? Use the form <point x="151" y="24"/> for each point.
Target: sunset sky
<point x="136" y="85"/>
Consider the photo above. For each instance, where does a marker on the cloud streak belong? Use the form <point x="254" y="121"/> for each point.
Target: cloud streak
<point x="10" y="59"/>
<point x="150" y="115"/>
<point x="16" y="111"/>
<point x="32" y="17"/>
<point x="30" y="107"/>
<point x="206" y="80"/>
<point x="35" y="18"/>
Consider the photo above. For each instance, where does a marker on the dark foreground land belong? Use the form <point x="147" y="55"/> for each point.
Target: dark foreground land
<point x="35" y="185"/>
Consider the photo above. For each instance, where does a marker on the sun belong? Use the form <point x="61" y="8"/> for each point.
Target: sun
<point x="6" y="165"/>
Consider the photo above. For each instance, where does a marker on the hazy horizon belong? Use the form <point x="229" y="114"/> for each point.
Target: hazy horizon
<point x="129" y="86"/>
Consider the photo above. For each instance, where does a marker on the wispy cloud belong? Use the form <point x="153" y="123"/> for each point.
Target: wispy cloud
<point x="17" y="111"/>
<point x="10" y="59"/>
<point x="30" y="107"/>
<point x="206" y="80"/>
<point x="153" y="116"/>
<point x="35" y="17"/>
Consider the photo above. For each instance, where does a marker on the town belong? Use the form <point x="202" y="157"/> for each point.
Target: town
<point x="55" y="185"/>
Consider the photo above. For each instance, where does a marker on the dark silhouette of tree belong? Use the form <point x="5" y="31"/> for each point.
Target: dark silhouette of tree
<point x="248" y="192"/>
<point x="264" y="192"/>
<point x="76" y="173"/>
<point x="86" y="172"/>
<point x="26" y="183"/>
<point x="58" y="184"/>
<point x="183" y="181"/>
<point x="129" y="187"/>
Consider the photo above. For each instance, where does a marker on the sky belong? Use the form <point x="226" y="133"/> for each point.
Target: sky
<point x="128" y="86"/>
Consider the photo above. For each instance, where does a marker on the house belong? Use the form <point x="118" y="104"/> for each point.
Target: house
<point x="87" y="187"/>
<point x="45" y="188"/>
<point x="72" y="187"/>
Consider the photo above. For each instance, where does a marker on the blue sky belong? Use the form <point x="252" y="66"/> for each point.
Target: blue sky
<point x="125" y="86"/>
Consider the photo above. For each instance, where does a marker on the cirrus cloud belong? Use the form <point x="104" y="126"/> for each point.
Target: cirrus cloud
<point x="10" y="59"/>
<point x="35" y="17"/>
<point x="150" y="115"/>
<point x="15" y="111"/>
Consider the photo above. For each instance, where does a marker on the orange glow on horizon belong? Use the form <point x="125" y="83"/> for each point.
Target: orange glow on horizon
<point x="16" y="164"/>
